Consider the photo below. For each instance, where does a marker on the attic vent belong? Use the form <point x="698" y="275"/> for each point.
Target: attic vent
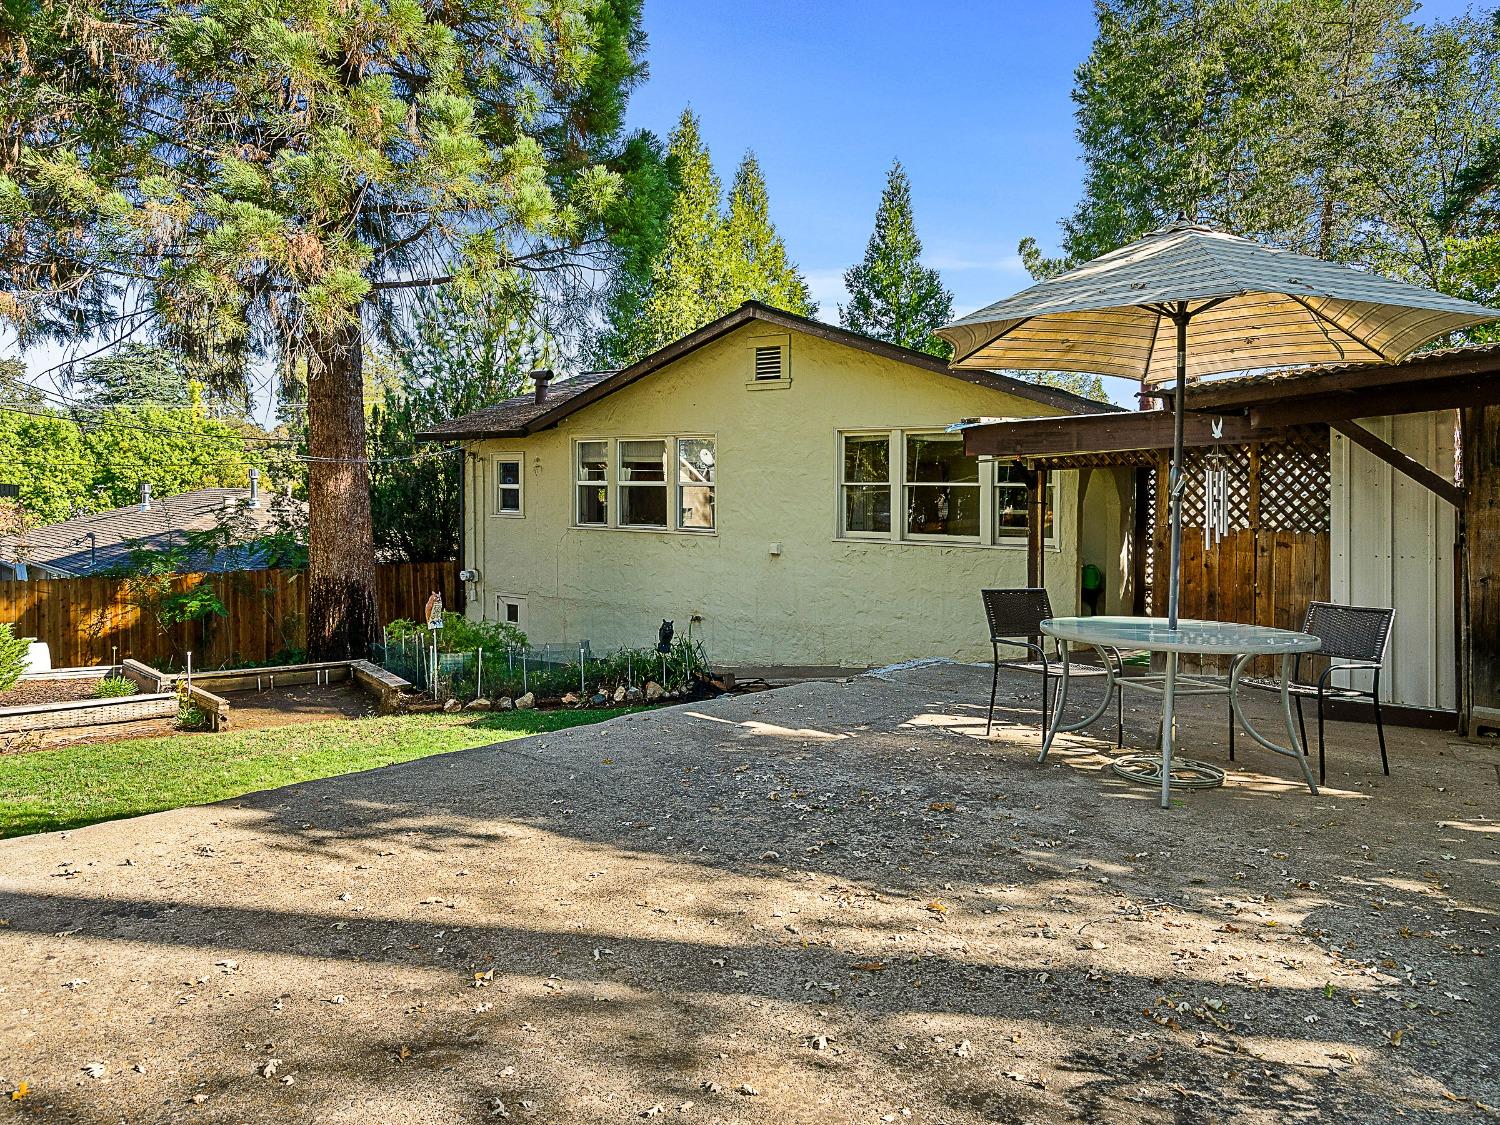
<point x="768" y="361"/>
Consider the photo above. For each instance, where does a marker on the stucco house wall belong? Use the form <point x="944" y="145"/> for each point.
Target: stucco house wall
<point x="773" y="583"/>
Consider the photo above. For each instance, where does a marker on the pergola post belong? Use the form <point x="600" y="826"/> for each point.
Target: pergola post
<point x="1036" y="532"/>
<point x="1479" y="565"/>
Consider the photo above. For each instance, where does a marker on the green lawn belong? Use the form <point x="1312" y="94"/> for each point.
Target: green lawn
<point x="48" y="790"/>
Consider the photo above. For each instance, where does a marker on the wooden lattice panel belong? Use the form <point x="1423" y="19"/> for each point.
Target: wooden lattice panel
<point x="1235" y="459"/>
<point x="1295" y="481"/>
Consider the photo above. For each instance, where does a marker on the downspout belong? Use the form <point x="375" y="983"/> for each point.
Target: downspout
<point x="463" y="531"/>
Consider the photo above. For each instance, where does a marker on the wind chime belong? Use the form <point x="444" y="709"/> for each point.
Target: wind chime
<point x="1215" y="498"/>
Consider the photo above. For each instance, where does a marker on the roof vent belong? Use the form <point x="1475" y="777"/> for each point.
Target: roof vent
<point x="145" y="496"/>
<point x="254" y="501"/>
<point x="768" y="361"/>
<point x="541" y="379"/>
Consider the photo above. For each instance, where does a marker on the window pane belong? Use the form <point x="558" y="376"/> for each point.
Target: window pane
<point x="510" y="499"/>
<point x="940" y="458"/>
<point x="867" y="508"/>
<point x="697" y="507"/>
<point x="510" y="472"/>
<point x="643" y="461"/>
<point x="695" y="461"/>
<point x="867" y="459"/>
<point x="1013" y="502"/>
<point x="593" y="503"/>
<point x="643" y="506"/>
<point x="593" y="460"/>
<point x="942" y="510"/>
<point x="1010" y="511"/>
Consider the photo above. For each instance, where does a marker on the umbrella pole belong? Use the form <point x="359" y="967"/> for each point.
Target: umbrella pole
<point x="1174" y="479"/>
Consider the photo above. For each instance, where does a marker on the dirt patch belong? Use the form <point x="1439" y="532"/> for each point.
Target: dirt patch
<point x="33" y="693"/>
<point x="299" y="704"/>
<point x="249" y="710"/>
<point x="828" y="903"/>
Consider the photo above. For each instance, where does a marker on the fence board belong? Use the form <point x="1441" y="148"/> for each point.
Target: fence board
<point x="88" y="621"/>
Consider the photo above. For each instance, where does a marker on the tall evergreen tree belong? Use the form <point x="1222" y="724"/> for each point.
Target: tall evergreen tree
<point x="276" y="179"/>
<point x="639" y="229"/>
<point x="689" y="276"/>
<point x="892" y="296"/>
<point x="756" y="257"/>
<point x="1332" y="127"/>
<point x="705" y="261"/>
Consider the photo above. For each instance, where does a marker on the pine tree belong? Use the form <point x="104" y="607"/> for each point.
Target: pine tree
<point x="756" y="257"/>
<point x="706" y="262"/>
<point x="892" y="296"/>
<point x="276" y="181"/>
<point x="689" y="278"/>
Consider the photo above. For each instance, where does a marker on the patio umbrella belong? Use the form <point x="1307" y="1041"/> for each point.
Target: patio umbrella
<point x="1188" y="301"/>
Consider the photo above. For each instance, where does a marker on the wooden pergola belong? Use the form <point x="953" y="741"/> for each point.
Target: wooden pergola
<point x="1273" y="429"/>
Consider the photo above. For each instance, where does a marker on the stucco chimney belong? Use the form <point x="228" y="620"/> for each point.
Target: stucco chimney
<point x="541" y="379"/>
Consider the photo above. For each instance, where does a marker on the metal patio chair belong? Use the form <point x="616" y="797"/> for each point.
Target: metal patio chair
<point x="1354" y="639"/>
<point x="1015" y="619"/>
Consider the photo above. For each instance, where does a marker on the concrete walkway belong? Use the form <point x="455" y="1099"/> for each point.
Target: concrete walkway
<point x="826" y="903"/>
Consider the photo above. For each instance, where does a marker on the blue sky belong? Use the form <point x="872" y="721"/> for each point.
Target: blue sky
<point x="973" y="97"/>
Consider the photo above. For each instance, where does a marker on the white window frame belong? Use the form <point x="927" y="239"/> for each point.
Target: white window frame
<point x="614" y="486"/>
<point x="668" y="449"/>
<point x="503" y="601"/>
<point x="579" y="483"/>
<point x="680" y="485"/>
<point x="904" y="493"/>
<point x="898" y="486"/>
<point x="519" y="460"/>
<point x="844" y="485"/>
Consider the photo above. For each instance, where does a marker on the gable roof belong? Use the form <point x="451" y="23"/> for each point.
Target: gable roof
<point x="523" y="415"/>
<point x="101" y="541"/>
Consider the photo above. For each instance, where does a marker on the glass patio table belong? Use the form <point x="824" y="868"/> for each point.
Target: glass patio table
<point x="1243" y="643"/>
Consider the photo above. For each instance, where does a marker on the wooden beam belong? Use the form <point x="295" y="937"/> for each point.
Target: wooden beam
<point x="1401" y="462"/>
<point x="1105" y="433"/>
<point x="1412" y="373"/>
<point x="1373" y="402"/>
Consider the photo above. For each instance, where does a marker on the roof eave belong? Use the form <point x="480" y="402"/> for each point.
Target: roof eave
<point x="755" y="311"/>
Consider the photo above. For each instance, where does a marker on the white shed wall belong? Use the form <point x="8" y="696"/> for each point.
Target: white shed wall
<point x="1391" y="544"/>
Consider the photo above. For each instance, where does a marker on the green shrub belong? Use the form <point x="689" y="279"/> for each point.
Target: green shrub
<point x="459" y="634"/>
<point x="190" y="716"/>
<point x="112" y="687"/>
<point x="12" y="657"/>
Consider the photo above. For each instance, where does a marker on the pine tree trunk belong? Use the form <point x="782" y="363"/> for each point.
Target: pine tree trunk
<point x="341" y="616"/>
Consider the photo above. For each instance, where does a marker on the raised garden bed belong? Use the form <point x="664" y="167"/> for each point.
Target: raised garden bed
<point x="87" y="712"/>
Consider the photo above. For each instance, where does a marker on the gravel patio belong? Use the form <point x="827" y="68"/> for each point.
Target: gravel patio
<point x="831" y="902"/>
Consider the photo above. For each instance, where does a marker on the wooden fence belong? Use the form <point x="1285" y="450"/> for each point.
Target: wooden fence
<point x="1274" y="558"/>
<point x="87" y="621"/>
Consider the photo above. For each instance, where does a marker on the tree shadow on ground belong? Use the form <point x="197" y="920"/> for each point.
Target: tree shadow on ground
<point x="974" y="880"/>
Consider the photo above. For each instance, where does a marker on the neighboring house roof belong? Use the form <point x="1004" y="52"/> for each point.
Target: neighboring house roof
<point x="522" y="415"/>
<point x="102" y="541"/>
